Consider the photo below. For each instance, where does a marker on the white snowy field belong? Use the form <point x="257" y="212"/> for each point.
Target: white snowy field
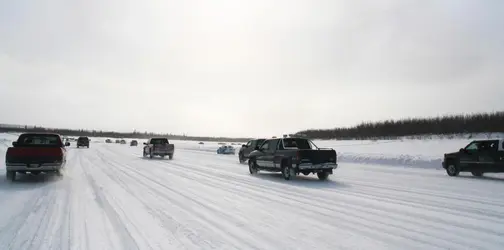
<point x="112" y="198"/>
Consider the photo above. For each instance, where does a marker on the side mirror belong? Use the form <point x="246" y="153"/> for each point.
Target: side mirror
<point x="67" y="144"/>
<point x="14" y="143"/>
<point x="244" y="146"/>
<point x="462" y="150"/>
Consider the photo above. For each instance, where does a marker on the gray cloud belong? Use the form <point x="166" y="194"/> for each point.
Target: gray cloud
<point x="246" y="67"/>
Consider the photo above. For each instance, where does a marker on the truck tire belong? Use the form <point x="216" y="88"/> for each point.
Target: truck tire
<point x="287" y="171"/>
<point x="452" y="170"/>
<point x="477" y="173"/>
<point x="241" y="158"/>
<point x="170" y="156"/>
<point x="151" y="155"/>
<point x="322" y="175"/>
<point x="252" y="166"/>
<point x="11" y="175"/>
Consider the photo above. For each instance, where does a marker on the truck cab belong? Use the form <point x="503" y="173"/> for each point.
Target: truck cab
<point x="477" y="157"/>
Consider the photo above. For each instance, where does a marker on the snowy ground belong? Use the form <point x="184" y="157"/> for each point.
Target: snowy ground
<point x="112" y="198"/>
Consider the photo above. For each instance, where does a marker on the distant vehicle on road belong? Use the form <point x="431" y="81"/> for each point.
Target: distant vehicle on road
<point x="158" y="146"/>
<point x="226" y="149"/>
<point x="83" y="141"/>
<point x="123" y="142"/>
<point x="246" y="149"/>
<point x="292" y="156"/>
<point x="134" y="143"/>
<point x="117" y="141"/>
<point x="478" y="157"/>
<point x="108" y="141"/>
<point x="35" y="153"/>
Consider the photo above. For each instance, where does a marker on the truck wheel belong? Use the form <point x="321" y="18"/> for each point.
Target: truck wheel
<point x="452" y="170"/>
<point x="252" y="166"/>
<point x="151" y="155"/>
<point x="11" y="175"/>
<point x="144" y="154"/>
<point x="322" y="175"/>
<point x="241" y="158"/>
<point x="170" y="156"/>
<point x="477" y="173"/>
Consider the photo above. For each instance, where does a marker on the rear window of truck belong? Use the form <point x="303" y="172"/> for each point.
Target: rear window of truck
<point x="159" y="141"/>
<point x="39" y="140"/>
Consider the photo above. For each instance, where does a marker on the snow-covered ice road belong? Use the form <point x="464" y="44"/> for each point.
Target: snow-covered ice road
<point x="112" y="198"/>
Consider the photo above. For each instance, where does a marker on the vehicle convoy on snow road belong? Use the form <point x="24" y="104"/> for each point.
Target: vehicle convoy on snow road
<point x="292" y="156"/>
<point x="246" y="149"/>
<point x="83" y="141"/>
<point x="35" y="153"/>
<point x="158" y="147"/>
<point x="226" y="150"/>
<point x="478" y="157"/>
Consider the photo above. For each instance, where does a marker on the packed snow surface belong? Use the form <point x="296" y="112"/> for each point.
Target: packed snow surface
<point x="112" y="198"/>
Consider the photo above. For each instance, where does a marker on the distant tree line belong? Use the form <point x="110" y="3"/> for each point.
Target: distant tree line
<point x="5" y="128"/>
<point x="388" y="129"/>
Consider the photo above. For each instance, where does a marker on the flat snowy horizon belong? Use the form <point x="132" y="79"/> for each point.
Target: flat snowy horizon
<point x="384" y="195"/>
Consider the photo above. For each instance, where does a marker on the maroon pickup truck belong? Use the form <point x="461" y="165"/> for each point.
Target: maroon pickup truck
<point x="35" y="153"/>
<point x="158" y="146"/>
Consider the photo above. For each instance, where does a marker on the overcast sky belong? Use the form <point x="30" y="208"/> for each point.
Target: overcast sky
<point x="246" y="67"/>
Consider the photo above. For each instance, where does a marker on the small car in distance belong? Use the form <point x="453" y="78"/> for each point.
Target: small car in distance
<point x="226" y="149"/>
<point x="83" y="141"/>
<point x="134" y="143"/>
<point x="123" y="142"/>
<point x="35" y="153"/>
<point x="108" y="141"/>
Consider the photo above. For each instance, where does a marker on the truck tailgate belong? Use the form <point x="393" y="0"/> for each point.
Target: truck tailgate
<point x="163" y="147"/>
<point x="33" y="155"/>
<point x="317" y="156"/>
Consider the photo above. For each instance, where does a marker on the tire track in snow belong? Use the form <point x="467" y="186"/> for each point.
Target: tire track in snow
<point x="168" y="221"/>
<point x="212" y="223"/>
<point x="127" y="240"/>
<point x="460" y="238"/>
<point x="315" y="210"/>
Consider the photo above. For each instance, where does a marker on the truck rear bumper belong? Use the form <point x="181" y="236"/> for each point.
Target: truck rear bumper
<point x="33" y="166"/>
<point x="323" y="166"/>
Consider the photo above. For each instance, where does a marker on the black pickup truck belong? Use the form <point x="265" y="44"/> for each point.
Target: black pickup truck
<point x="292" y="156"/>
<point x="478" y="157"/>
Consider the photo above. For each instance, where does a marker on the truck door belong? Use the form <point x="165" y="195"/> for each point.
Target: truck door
<point x="499" y="159"/>
<point x="268" y="149"/>
<point x="487" y="156"/>
<point x="468" y="158"/>
<point x="261" y="159"/>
